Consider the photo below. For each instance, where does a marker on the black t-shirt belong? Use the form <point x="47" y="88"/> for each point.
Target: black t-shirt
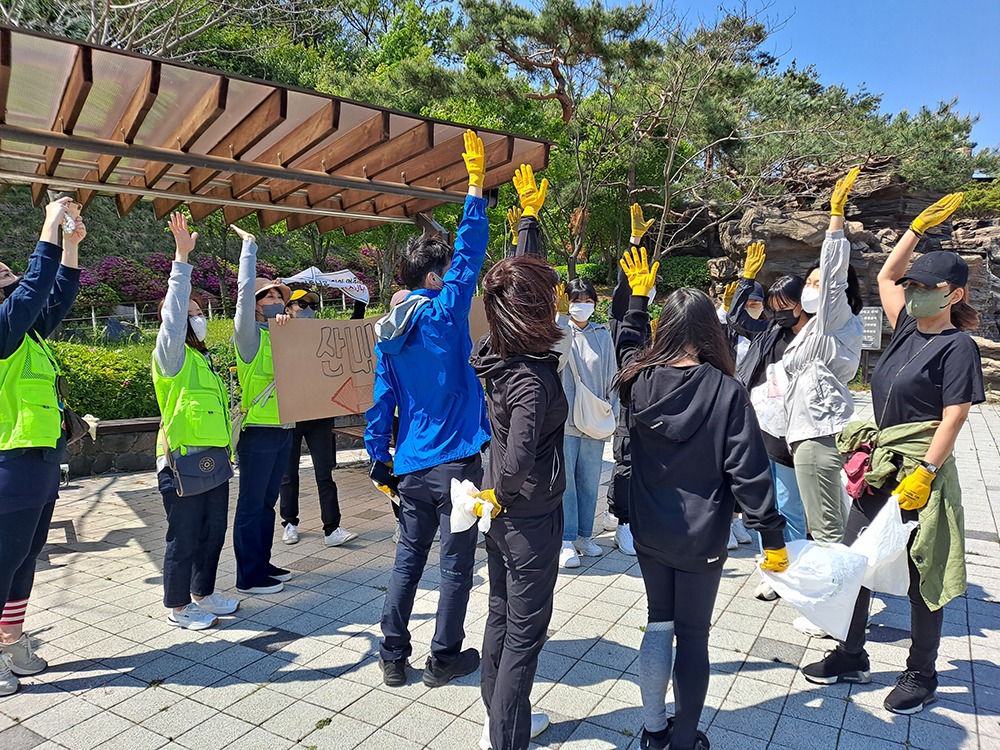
<point x="777" y="447"/>
<point x="921" y="373"/>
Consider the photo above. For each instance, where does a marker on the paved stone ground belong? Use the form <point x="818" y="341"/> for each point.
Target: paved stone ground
<point x="299" y="669"/>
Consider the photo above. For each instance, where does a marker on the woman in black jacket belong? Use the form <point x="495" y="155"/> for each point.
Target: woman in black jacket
<point x="696" y="452"/>
<point x="527" y="410"/>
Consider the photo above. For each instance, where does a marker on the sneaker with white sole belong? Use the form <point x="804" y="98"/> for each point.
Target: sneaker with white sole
<point x="568" y="557"/>
<point x="608" y="521"/>
<point x="539" y="723"/>
<point x="587" y="547"/>
<point x="23" y="659"/>
<point x="339" y="536"/>
<point x="764" y="592"/>
<point x="732" y="543"/>
<point x="8" y="682"/>
<point x="280" y="574"/>
<point x="739" y="530"/>
<point x="623" y="539"/>
<point x="290" y="534"/>
<point x="217" y="604"/>
<point x="192" y="617"/>
<point x="805" y="627"/>
<point x="267" y="586"/>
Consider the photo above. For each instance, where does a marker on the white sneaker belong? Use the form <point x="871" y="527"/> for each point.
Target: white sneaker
<point x="567" y="556"/>
<point x="587" y="547"/>
<point x="291" y="534"/>
<point x="623" y="539"/>
<point x="739" y="531"/>
<point x="192" y="617"/>
<point x="608" y="521"/>
<point x="8" y="682"/>
<point x="339" y="536"/>
<point x="764" y="592"/>
<point x="539" y="723"/>
<point x="804" y="626"/>
<point x="23" y="659"/>
<point x="217" y="604"/>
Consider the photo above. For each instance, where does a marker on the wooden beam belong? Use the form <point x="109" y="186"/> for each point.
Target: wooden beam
<point x="307" y="135"/>
<point x="416" y="140"/>
<point x="279" y="214"/>
<point x="84" y="197"/>
<point x="347" y="147"/>
<point x="74" y="96"/>
<point x="132" y="118"/>
<point x="265" y="117"/>
<point x="38" y="193"/>
<point x="360" y="225"/>
<point x="5" y="68"/>
<point x="233" y="214"/>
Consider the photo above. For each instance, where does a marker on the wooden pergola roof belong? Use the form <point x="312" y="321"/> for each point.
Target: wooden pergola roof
<point x="92" y="119"/>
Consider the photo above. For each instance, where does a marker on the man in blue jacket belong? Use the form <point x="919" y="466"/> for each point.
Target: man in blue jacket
<point x="423" y="371"/>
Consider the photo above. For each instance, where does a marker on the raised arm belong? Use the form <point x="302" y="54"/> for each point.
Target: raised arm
<point x="67" y="281"/>
<point x="892" y="296"/>
<point x="834" y="258"/>
<point x="246" y="334"/>
<point x="532" y="197"/>
<point x="514" y="222"/>
<point x="737" y="316"/>
<point x="634" y="332"/>
<point x="169" y="351"/>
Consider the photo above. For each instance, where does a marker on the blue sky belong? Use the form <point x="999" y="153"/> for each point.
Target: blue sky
<point x="912" y="52"/>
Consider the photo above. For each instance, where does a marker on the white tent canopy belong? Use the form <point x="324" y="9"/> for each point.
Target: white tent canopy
<point x="344" y="280"/>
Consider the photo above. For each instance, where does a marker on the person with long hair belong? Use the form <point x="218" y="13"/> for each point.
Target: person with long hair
<point x="525" y="479"/>
<point x="194" y="406"/>
<point x="697" y="455"/>
<point x="265" y="442"/>
<point x="763" y="374"/>
<point x="923" y="387"/>
<point x="32" y="425"/>
<point x="820" y="362"/>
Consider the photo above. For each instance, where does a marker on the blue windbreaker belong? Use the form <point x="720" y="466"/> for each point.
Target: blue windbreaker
<point x="423" y="365"/>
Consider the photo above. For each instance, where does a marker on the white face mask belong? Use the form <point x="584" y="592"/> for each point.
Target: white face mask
<point x="581" y="310"/>
<point x="810" y="300"/>
<point x="199" y="326"/>
<point x="652" y="295"/>
<point x="755" y="312"/>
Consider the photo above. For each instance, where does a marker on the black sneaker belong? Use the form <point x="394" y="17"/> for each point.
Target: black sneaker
<point x="437" y="673"/>
<point x="394" y="672"/>
<point x="839" y="666"/>
<point x="913" y="691"/>
<point x="280" y="573"/>
<point x="655" y="740"/>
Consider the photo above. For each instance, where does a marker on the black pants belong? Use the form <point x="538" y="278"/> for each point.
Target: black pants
<point x="621" y="473"/>
<point x="425" y="501"/>
<point x="925" y="625"/>
<point x="523" y="563"/>
<point x="685" y="599"/>
<point x="22" y="536"/>
<point x="318" y="434"/>
<point x="196" y="531"/>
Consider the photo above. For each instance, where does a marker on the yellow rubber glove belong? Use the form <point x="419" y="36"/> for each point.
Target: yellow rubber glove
<point x="840" y="192"/>
<point x="775" y="560"/>
<point x="532" y="195"/>
<point x="514" y="220"/>
<point x="729" y="293"/>
<point x="491" y="497"/>
<point x="475" y="159"/>
<point x="936" y="214"/>
<point x="641" y="278"/>
<point x="639" y="225"/>
<point x="562" y="300"/>
<point x="915" y="489"/>
<point x="755" y="260"/>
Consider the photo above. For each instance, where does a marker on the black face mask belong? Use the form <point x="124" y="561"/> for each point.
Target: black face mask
<point x="9" y="289"/>
<point x="785" y="318"/>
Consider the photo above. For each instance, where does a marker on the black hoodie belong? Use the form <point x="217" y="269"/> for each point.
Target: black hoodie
<point x="697" y="452"/>
<point x="528" y="411"/>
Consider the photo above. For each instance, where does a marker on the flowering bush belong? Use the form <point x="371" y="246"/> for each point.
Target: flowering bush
<point x="132" y="280"/>
<point x="209" y="274"/>
<point x="267" y="270"/>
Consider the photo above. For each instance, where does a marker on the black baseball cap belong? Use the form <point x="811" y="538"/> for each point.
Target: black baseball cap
<point x="936" y="268"/>
<point x="757" y="293"/>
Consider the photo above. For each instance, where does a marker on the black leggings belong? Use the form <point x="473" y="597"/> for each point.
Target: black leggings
<point x="687" y="600"/>
<point x="22" y="536"/>
<point x="925" y="625"/>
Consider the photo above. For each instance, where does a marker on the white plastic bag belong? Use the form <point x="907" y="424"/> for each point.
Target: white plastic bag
<point x="883" y="543"/>
<point x="463" y="515"/>
<point x="822" y="582"/>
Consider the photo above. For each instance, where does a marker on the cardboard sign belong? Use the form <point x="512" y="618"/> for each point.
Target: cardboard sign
<point x="326" y="368"/>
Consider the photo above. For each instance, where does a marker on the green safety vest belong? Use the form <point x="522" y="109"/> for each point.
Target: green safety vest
<point x="254" y="377"/>
<point x="193" y="405"/>
<point x="30" y="412"/>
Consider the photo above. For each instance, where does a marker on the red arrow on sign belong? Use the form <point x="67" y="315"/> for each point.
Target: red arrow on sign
<point x="356" y="399"/>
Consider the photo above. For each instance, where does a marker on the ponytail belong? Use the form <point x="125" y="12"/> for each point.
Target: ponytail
<point x="963" y="315"/>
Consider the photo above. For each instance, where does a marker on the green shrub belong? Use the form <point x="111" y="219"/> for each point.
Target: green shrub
<point x="982" y="200"/>
<point x="677" y="272"/>
<point x="100" y="296"/>
<point x="108" y="382"/>
<point x="595" y="273"/>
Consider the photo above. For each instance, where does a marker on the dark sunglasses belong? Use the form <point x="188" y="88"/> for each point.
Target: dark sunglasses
<point x="303" y="305"/>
